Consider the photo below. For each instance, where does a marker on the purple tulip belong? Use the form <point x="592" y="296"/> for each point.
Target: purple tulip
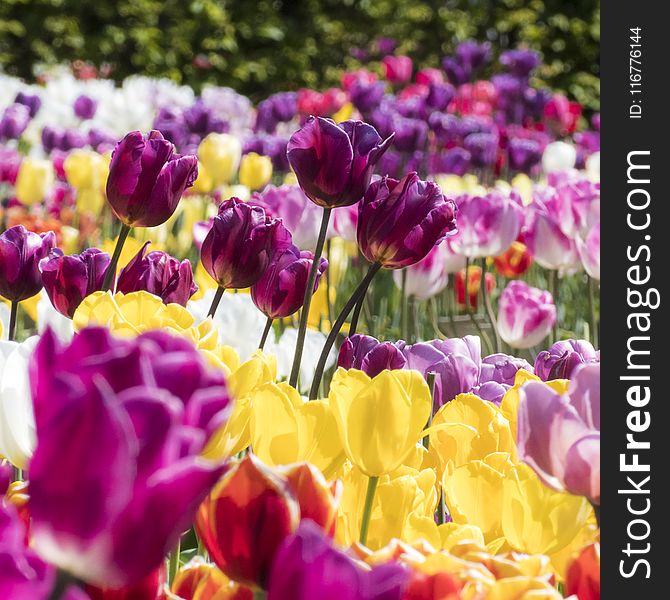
<point x="160" y="274"/>
<point x="14" y="121"/>
<point x="308" y="566"/>
<point x="455" y="161"/>
<point x="410" y="134"/>
<point x="147" y="179"/>
<point x="20" y="254"/>
<point x="121" y="427"/>
<point x="281" y="290"/>
<point x="278" y="108"/>
<point x="365" y="353"/>
<point x="85" y="107"/>
<point x="483" y="148"/>
<point x="523" y="154"/>
<point x="367" y="96"/>
<point x="559" y="435"/>
<point x="399" y="222"/>
<point x="32" y="101"/>
<point x="487" y="225"/>
<point x="563" y="358"/>
<point x="525" y="315"/>
<point x="439" y="96"/>
<point x="497" y="375"/>
<point x="69" y="279"/>
<point x="456" y="72"/>
<point x="201" y="120"/>
<point x="23" y="574"/>
<point x="456" y="363"/>
<point x="520" y="62"/>
<point x="334" y="163"/>
<point x="241" y="244"/>
<point x="474" y="55"/>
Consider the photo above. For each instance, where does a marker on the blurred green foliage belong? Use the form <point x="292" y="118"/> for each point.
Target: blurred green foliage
<point x="262" y="46"/>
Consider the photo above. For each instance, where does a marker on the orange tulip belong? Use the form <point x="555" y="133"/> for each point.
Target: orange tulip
<point x="474" y="283"/>
<point x="514" y="262"/>
<point x="439" y="586"/>
<point x="584" y="574"/>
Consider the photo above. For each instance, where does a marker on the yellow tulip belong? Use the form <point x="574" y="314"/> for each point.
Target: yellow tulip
<point x="379" y="420"/>
<point x="286" y="429"/>
<point x="537" y="519"/>
<point x="34" y="180"/>
<point x="220" y="154"/>
<point x="510" y="402"/>
<point x="466" y="429"/>
<point x="255" y="171"/>
<point x="473" y="493"/>
<point x="588" y="534"/>
<point x="344" y="113"/>
<point x="455" y="533"/>
<point x="131" y="314"/>
<point x="523" y="588"/>
<point x="524" y="186"/>
<point x="204" y="183"/>
<point x="233" y="437"/>
<point x="87" y="172"/>
<point x="130" y="249"/>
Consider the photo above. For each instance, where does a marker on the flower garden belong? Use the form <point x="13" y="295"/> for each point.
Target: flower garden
<point x="340" y="343"/>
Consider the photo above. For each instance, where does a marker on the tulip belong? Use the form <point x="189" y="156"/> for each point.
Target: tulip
<point x="486" y="225"/>
<point x="498" y="374"/>
<point x="20" y="254"/>
<point x="300" y="215"/>
<point x="285" y="429"/>
<point x="559" y="434"/>
<point x="551" y="248"/>
<point x="537" y="519"/>
<point x="334" y="162"/>
<point x="558" y="156"/>
<point x="563" y="358"/>
<point x="281" y="289"/>
<point x="308" y="565"/>
<point x="255" y="171"/>
<point x="472" y="286"/>
<point x="85" y="107"/>
<point x="32" y="101"/>
<point x="245" y="519"/>
<point x="427" y="278"/>
<point x="220" y="153"/>
<point x="367" y="354"/>
<point x="240" y="245"/>
<point x="583" y="578"/>
<point x="456" y="363"/>
<point x="17" y="424"/>
<point x="526" y="315"/>
<point x="523" y="154"/>
<point x="149" y="588"/>
<point x="23" y="573"/>
<point x="201" y="580"/>
<point x="147" y="179"/>
<point x="160" y="274"/>
<point x="397" y="69"/>
<point x="589" y="251"/>
<point x="483" y="148"/>
<point x="514" y="261"/>
<point x="399" y="222"/>
<point x="69" y="279"/>
<point x="148" y="405"/>
<point x="14" y="121"/>
<point x="520" y="62"/>
<point x="34" y="180"/>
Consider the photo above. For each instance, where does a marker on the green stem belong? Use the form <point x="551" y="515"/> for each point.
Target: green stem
<point x="111" y="269"/>
<point x="174" y="563"/>
<point x="553" y="288"/>
<point x="367" y="509"/>
<point x="309" y="291"/>
<point x="328" y="282"/>
<point x="259" y="595"/>
<point x="593" y="319"/>
<point x="355" y="316"/>
<point x="359" y="292"/>
<point x="403" y="306"/>
<point x="489" y="309"/>
<point x="266" y="331"/>
<point x="215" y="301"/>
<point x="468" y="308"/>
<point x="62" y="582"/>
<point x="11" y="334"/>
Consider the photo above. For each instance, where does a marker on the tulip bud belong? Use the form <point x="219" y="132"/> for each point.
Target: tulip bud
<point x="14" y="121"/>
<point x="255" y="171"/>
<point x="85" y="107"/>
<point x="365" y="353"/>
<point x="525" y="315"/>
<point x="558" y="156"/>
<point x="399" y="222"/>
<point x="160" y="274"/>
<point x="514" y="262"/>
<point x="147" y="179"/>
<point x="281" y="289"/>
<point x="241" y="243"/>
<point x="69" y="279"/>
<point x="563" y="358"/>
<point x="245" y="519"/>
<point x="32" y="102"/>
<point x="334" y="162"/>
<point x="220" y="153"/>
<point x="20" y="254"/>
<point x="34" y="180"/>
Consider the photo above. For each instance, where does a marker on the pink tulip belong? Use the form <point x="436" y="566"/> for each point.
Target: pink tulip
<point x="525" y="315"/>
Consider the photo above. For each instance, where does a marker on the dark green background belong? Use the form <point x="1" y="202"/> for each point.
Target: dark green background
<point x="262" y="46"/>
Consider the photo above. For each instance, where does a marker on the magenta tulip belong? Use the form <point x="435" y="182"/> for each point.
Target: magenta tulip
<point x="525" y="315"/>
